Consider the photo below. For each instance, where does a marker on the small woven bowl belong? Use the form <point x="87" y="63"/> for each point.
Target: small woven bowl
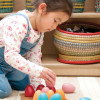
<point x="78" y="1"/>
<point x="77" y="44"/>
<point x="97" y="5"/>
<point x="78" y="6"/>
<point x="28" y="5"/>
<point x="6" y="6"/>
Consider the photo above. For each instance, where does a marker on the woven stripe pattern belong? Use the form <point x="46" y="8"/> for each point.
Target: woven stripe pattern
<point x="77" y="47"/>
<point x="28" y="5"/>
<point x="6" y="6"/>
<point x="78" y="6"/>
<point x="79" y="58"/>
<point x="97" y="5"/>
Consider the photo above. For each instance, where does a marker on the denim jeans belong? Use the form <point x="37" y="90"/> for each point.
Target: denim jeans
<point x="11" y="78"/>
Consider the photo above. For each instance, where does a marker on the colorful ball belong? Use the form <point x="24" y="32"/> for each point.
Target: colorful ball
<point x="40" y="87"/>
<point x="68" y="88"/>
<point x="61" y="92"/>
<point x="50" y="93"/>
<point x="45" y="89"/>
<point x="85" y="98"/>
<point x="53" y="88"/>
<point x="29" y="91"/>
<point x="43" y="96"/>
<point x="56" y="96"/>
<point x="36" y="95"/>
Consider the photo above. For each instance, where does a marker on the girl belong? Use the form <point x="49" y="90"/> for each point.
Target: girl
<point x="22" y="33"/>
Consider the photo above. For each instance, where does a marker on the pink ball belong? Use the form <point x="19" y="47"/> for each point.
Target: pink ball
<point x="68" y="88"/>
<point x="45" y="89"/>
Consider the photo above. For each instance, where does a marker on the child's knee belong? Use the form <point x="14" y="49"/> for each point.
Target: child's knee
<point x="5" y="88"/>
<point x="21" y="85"/>
<point x="24" y="82"/>
<point x="5" y="93"/>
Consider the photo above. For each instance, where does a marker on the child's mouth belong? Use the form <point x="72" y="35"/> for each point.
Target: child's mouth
<point x="48" y="29"/>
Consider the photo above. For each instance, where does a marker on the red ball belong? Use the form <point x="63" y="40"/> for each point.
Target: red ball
<point x="40" y="87"/>
<point x="29" y="91"/>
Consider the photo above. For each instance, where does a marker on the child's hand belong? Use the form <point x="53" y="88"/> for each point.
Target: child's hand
<point x="49" y="76"/>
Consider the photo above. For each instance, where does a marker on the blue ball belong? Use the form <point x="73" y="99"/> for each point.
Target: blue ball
<point x="85" y="98"/>
<point x="43" y="96"/>
<point x="56" y="96"/>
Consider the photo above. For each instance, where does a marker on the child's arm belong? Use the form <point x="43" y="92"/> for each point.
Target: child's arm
<point x="13" y="36"/>
<point x="34" y="55"/>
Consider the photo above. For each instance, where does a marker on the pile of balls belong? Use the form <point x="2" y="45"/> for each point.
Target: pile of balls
<point x="46" y="93"/>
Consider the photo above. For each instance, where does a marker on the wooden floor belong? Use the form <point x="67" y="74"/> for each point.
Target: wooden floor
<point x="85" y="87"/>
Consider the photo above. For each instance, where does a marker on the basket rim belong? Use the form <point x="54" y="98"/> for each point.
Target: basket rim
<point x="74" y="41"/>
<point x="78" y="62"/>
<point x="66" y="32"/>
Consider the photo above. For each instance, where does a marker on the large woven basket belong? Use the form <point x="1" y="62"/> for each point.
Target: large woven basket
<point x="28" y="5"/>
<point x="97" y="5"/>
<point x="77" y="46"/>
<point x="78" y="6"/>
<point x="6" y="6"/>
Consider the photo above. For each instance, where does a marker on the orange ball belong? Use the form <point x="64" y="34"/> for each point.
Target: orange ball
<point x="36" y="95"/>
<point x="61" y="92"/>
<point x="50" y="93"/>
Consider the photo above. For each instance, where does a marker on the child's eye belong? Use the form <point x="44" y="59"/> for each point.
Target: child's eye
<point x="55" y="21"/>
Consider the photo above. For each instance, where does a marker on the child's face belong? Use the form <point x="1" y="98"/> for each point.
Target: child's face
<point x="49" y="21"/>
<point x="46" y="22"/>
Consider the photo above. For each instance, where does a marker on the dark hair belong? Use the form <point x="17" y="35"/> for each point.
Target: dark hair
<point x="55" y="5"/>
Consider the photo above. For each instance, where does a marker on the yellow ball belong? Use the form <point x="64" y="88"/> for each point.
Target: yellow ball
<point x="61" y="92"/>
<point x="36" y="95"/>
<point x="50" y="93"/>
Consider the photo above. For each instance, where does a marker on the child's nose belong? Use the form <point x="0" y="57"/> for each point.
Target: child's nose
<point x="54" y="27"/>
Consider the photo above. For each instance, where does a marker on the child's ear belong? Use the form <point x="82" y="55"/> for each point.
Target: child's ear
<point x="42" y="8"/>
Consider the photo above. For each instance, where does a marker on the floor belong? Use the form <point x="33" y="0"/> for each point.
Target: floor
<point x="85" y="87"/>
